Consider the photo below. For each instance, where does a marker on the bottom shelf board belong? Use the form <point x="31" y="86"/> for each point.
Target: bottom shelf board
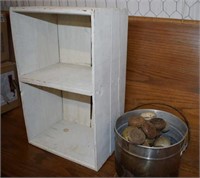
<point x="69" y="140"/>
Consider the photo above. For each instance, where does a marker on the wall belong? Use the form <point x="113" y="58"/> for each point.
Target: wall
<point x="178" y="9"/>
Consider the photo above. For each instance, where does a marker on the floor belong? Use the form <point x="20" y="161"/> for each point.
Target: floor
<point x="20" y="159"/>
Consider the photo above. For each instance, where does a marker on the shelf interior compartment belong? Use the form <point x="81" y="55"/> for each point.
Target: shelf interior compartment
<point x="59" y="122"/>
<point x="74" y="35"/>
<point x="62" y="76"/>
<point x="55" y="50"/>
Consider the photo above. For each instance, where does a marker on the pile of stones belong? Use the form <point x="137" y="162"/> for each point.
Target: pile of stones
<point x="148" y="130"/>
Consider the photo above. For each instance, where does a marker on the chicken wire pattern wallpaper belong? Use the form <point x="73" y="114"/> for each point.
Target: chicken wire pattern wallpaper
<point x="178" y="9"/>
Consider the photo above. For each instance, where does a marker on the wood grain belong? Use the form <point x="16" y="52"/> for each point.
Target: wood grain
<point x="162" y="66"/>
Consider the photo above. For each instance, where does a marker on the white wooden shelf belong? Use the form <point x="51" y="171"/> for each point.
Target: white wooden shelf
<point x="69" y="140"/>
<point x="66" y="77"/>
<point x="78" y="57"/>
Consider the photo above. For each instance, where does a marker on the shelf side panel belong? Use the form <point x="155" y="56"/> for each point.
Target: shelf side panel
<point x="75" y="39"/>
<point x="109" y="54"/>
<point x="35" y="40"/>
<point x="118" y="71"/>
<point x="42" y="107"/>
<point x="102" y="54"/>
<point x="114" y="74"/>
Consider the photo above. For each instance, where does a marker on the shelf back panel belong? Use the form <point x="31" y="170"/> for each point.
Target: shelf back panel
<point x="77" y="108"/>
<point x="74" y="33"/>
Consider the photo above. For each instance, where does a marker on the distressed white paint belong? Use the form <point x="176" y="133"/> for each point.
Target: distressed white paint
<point x="108" y="55"/>
<point x="118" y="74"/>
<point x="102" y="55"/>
<point x="85" y="76"/>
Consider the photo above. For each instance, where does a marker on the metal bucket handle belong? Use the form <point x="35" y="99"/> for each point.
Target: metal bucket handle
<point x="182" y="117"/>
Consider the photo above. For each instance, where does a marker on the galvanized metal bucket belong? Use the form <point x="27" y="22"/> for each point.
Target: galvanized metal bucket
<point x="137" y="160"/>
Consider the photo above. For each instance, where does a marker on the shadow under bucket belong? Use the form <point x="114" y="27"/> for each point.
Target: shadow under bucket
<point x="141" y="161"/>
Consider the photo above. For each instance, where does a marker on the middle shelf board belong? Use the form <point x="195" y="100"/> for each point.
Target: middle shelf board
<point x="62" y="76"/>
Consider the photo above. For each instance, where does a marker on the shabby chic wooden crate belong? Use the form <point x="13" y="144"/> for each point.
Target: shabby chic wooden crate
<point x="71" y="65"/>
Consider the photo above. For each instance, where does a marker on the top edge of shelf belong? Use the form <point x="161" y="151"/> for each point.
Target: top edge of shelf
<point x="56" y="10"/>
